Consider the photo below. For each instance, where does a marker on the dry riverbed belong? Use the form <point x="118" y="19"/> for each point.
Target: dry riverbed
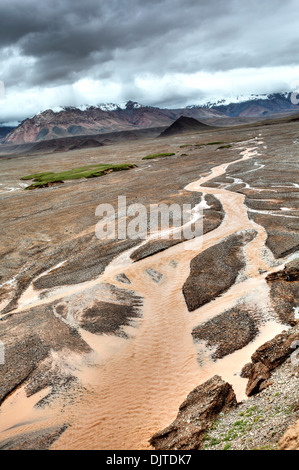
<point x="127" y="328"/>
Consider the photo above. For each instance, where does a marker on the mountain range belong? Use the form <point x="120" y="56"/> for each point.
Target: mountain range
<point x="107" y="118"/>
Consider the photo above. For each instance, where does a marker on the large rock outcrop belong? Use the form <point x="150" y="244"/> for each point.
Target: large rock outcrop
<point x="284" y="291"/>
<point x="290" y="273"/>
<point x="268" y="357"/>
<point x="196" y="414"/>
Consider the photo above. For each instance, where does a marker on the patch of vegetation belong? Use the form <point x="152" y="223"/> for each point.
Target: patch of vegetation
<point x="227" y="447"/>
<point x="158" y="155"/>
<point x="269" y="447"/>
<point x="215" y="143"/>
<point x="209" y="143"/>
<point x="238" y="429"/>
<point x="248" y="413"/>
<point x="228" y="146"/>
<point x="45" y="179"/>
<point x="212" y="442"/>
<point x="244" y="432"/>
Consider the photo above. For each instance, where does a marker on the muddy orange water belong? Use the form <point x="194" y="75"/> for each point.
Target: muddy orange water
<point x="133" y="388"/>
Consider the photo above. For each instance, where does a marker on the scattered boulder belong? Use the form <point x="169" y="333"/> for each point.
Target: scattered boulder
<point x="276" y="351"/>
<point x="265" y="384"/>
<point x="284" y="292"/>
<point x="44" y="185"/>
<point x="246" y="371"/>
<point x="123" y="278"/>
<point x="195" y="416"/>
<point x="284" y="300"/>
<point x="267" y="358"/>
<point x="154" y="275"/>
<point x="259" y="374"/>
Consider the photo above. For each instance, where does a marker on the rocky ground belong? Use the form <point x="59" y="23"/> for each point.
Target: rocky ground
<point x="260" y="422"/>
<point x="211" y="418"/>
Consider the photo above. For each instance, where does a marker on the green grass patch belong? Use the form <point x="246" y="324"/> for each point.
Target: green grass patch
<point x="209" y="143"/>
<point x="36" y="175"/>
<point x="269" y="447"/>
<point x="227" y="447"/>
<point x="215" y="143"/>
<point x="228" y="146"/>
<point x="250" y="411"/>
<point x="158" y="155"/>
<point x="41" y="180"/>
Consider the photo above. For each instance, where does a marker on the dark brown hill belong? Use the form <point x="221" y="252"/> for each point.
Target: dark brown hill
<point x="185" y="124"/>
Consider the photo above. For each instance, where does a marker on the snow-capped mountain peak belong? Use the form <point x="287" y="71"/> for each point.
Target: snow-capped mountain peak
<point x="244" y="98"/>
<point x="123" y="106"/>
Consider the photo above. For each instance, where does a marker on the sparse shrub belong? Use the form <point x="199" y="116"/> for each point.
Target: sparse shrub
<point x="90" y="171"/>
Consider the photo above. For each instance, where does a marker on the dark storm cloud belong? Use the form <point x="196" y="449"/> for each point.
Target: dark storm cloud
<point x="46" y="46"/>
<point x="70" y="38"/>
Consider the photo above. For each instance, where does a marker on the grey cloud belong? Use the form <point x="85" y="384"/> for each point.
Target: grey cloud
<point x="62" y="41"/>
<point x="71" y="31"/>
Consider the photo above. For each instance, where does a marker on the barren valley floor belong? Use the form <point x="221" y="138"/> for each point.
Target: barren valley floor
<point x="104" y="340"/>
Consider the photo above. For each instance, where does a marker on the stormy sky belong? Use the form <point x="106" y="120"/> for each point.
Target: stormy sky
<point x="169" y="53"/>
